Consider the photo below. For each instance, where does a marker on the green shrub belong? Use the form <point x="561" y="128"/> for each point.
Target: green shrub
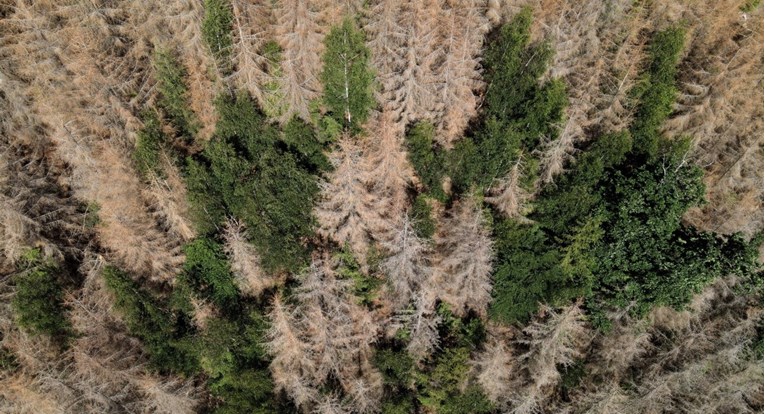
<point x="216" y="31"/>
<point x="346" y="76"/>
<point x="174" y="95"/>
<point x="8" y="361"/>
<point x="750" y="5"/>
<point x="39" y="299"/>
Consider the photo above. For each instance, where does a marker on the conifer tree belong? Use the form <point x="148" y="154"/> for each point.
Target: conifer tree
<point x="346" y="79"/>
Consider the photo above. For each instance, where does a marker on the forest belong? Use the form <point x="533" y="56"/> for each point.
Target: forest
<point x="381" y="206"/>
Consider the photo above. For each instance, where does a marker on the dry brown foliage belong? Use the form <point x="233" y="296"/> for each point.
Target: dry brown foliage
<point x="253" y="23"/>
<point x="462" y="26"/>
<point x="720" y="107"/>
<point x="403" y="39"/>
<point x="464" y="259"/>
<point x="87" y="92"/>
<point x="300" y="29"/>
<point x="245" y="261"/>
<point x="508" y="196"/>
<point x="102" y="371"/>
<point x="345" y="209"/>
<point x="326" y="334"/>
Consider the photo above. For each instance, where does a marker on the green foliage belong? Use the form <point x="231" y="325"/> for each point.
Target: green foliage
<point x="425" y="159"/>
<point x="577" y="194"/>
<point x="422" y="217"/>
<point x="365" y="285"/>
<point x="216" y="31"/>
<point x="207" y="271"/>
<point x="572" y="375"/>
<point x="148" y="146"/>
<point x="174" y="95"/>
<point x="395" y="366"/>
<point x="8" y="360"/>
<point x="39" y="299"/>
<point x="303" y="142"/>
<point x="153" y="323"/>
<point x="750" y="5"/>
<point x="232" y="355"/>
<point x="273" y="96"/>
<point x="657" y="90"/>
<point x="346" y="76"/>
<point x="528" y="271"/>
<point x="91" y="218"/>
<point x="250" y="171"/>
<point x="440" y="388"/>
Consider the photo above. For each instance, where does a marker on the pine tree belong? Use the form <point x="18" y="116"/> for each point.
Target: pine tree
<point x="465" y="255"/>
<point x="346" y="79"/>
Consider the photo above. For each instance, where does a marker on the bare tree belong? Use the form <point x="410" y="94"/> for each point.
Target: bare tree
<point x="464" y="259"/>
<point x="403" y="41"/>
<point x="253" y="22"/>
<point x="556" y="340"/>
<point x="345" y="207"/>
<point x="462" y="26"/>
<point x="300" y="33"/>
<point x="496" y="369"/>
<point x="245" y="261"/>
<point x="407" y="265"/>
<point x="508" y="195"/>
<point x="327" y="335"/>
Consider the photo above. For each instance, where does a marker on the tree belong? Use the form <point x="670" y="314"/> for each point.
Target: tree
<point x="299" y="32"/>
<point x="464" y="259"/>
<point x="38" y="302"/>
<point x="216" y="30"/>
<point x="245" y="261"/>
<point x="527" y="272"/>
<point x="657" y="90"/>
<point x="149" y="321"/>
<point x="553" y="342"/>
<point x="346" y="79"/>
<point x="328" y="336"/>
<point x="174" y="94"/>
<point x="407" y="265"/>
<point x="208" y="272"/>
<point x="462" y="26"/>
<point x="343" y="206"/>
<point x="252" y="63"/>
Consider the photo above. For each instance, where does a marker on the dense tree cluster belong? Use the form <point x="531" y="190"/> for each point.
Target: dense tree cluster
<point x="392" y="206"/>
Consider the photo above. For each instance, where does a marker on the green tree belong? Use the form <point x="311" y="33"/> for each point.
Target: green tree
<point x="656" y="91"/>
<point x="232" y="355"/>
<point x="173" y="94"/>
<point x="208" y="272"/>
<point x="216" y="30"/>
<point x="153" y="323"/>
<point x="148" y="146"/>
<point x="426" y="159"/>
<point x="346" y="77"/>
<point x="39" y="299"/>
<point x="251" y="171"/>
<point x="528" y="271"/>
